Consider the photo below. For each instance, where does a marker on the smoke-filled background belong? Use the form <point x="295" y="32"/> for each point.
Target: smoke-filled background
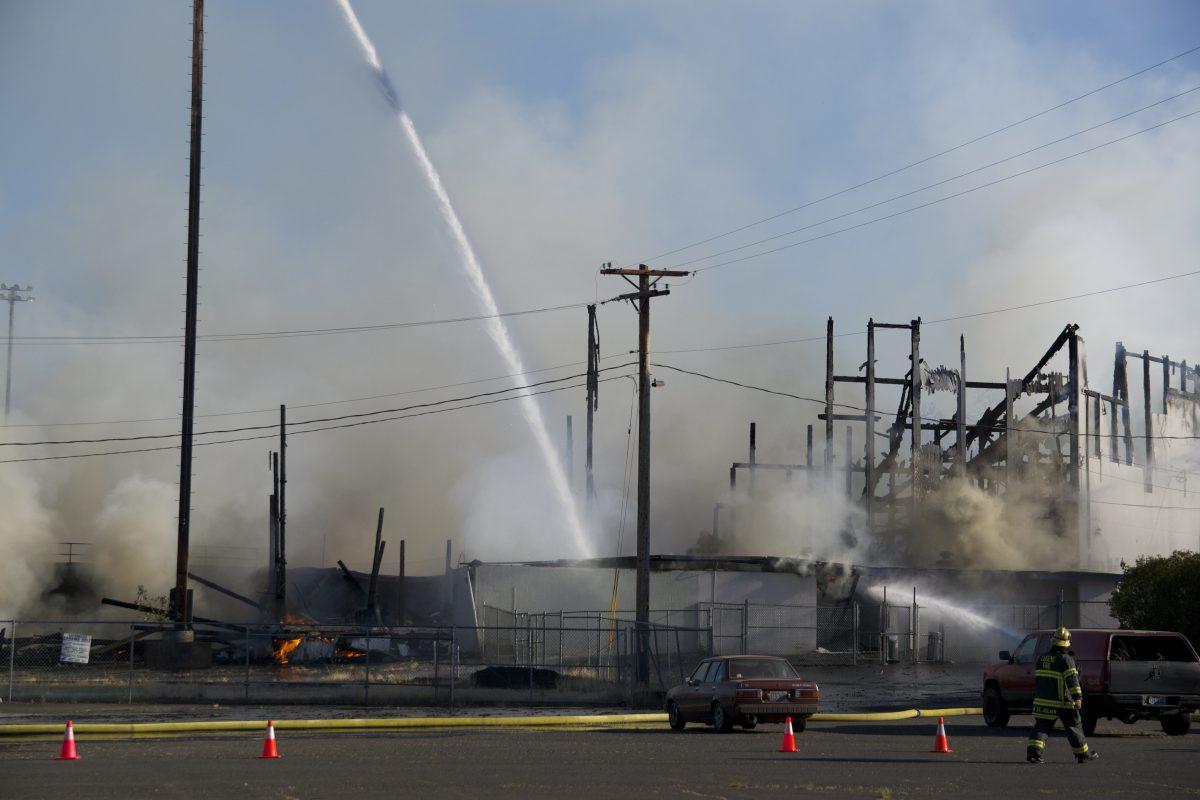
<point x="568" y="135"/>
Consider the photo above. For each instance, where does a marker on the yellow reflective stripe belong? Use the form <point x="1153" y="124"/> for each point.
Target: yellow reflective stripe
<point x="1048" y="673"/>
<point x="1076" y="691"/>
<point x="1038" y="743"/>
<point x="1080" y="750"/>
<point x="1068" y="673"/>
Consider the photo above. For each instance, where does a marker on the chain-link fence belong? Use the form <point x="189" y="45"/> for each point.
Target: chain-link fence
<point x="554" y="657"/>
<point x="535" y="659"/>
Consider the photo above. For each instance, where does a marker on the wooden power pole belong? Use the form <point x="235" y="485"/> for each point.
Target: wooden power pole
<point x="179" y="606"/>
<point x="645" y="292"/>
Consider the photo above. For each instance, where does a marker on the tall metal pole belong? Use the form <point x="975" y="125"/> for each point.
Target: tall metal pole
<point x="282" y="527"/>
<point x="643" y="486"/>
<point x="961" y="444"/>
<point x="869" y="451"/>
<point x="179" y="610"/>
<point x="829" y="402"/>
<point x="593" y="400"/>
<point x="12" y="294"/>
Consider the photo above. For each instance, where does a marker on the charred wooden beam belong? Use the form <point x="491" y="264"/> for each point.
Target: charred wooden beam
<point x="216" y="587"/>
<point x="349" y="576"/>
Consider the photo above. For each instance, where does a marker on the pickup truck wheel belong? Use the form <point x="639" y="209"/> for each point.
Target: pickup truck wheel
<point x="720" y="720"/>
<point x="1088" y="717"/>
<point x="995" y="710"/>
<point x="750" y="723"/>
<point x="799" y="724"/>
<point x="674" y="718"/>
<point x="1176" y="724"/>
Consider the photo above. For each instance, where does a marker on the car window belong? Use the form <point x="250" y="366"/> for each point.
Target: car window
<point x="701" y="671"/>
<point x="1043" y="646"/>
<point x="1150" y="648"/>
<point x="751" y="668"/>
<point x="716" y="673"/>
<point x="1024" y="652"/>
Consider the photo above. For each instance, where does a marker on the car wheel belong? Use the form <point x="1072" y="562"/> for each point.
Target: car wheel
<point x="750" y="723"/>
<point x="799" y="724"/>
<point x="1088" y="717"/>
<point x="995" y="710"/>
<point x="675" y="718"/>
<point x="720" y="719"/>
<point x="1176" y="724"/>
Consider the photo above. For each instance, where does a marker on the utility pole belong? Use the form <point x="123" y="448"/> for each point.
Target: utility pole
<point x="180" y="610"/>
<point x="13" y="294"/>
<point x="645" y="291"/>
<point x="593" y="400"/>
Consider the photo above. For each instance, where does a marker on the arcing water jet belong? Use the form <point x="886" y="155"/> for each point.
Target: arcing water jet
<point x="483" y="292"/>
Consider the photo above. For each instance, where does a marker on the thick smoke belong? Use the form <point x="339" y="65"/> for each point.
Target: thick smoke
<point x="316" y="217"/>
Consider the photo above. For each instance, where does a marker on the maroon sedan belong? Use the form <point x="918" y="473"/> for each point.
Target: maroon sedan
<point x="742" y="690"/>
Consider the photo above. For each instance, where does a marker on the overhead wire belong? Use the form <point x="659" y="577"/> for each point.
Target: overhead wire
<point x="340" y="426"/>
<point x="925" y="159"/>
<point x="938" y="321"/>
<point x="946" y="198"/>
<point x="320" y="420"/>
<point x="935" y="184"/>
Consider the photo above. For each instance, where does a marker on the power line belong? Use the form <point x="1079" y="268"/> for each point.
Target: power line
<point x="283" y="334"/>
<point x="923" y="160"/>
<point x="275" y="410"/>
<point x="948" y="197"/>
<point x="302" y="432"/>
<point x="319" y="420"/>
<point x="821" y="401"/>
<point x="1021" y="307"/>
<point x="935" y="184"/>
<point x="1147" y="505"/>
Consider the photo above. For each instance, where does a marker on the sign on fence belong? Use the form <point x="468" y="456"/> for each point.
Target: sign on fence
<point x="76" y="648"/>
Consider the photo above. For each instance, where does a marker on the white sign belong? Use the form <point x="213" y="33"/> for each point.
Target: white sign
<point x="76" y="648"/>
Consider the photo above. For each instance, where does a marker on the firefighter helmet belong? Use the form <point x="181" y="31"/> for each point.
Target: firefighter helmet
<point x="1061" y="638"/>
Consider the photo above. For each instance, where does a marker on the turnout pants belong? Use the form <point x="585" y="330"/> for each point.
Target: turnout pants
<point x="1044" y="723"/>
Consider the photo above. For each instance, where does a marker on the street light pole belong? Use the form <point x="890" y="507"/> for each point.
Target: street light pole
<point x="13" y="294"/>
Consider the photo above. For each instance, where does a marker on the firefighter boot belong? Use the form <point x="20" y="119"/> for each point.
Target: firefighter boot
<point x="1090" y="755"/>
<point x="1034" y="756"/>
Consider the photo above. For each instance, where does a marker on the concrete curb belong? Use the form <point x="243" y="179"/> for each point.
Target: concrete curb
<point x="419" y="723"/>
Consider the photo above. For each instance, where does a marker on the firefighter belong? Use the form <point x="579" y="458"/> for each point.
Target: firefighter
<point x="1057" y="696"/>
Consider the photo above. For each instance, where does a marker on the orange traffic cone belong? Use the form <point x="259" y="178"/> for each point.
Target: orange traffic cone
<point x="940" y="744"/>
<point x="68" y="746"/>
<point x="789" y="739"/>
<point x="269" y="749"/>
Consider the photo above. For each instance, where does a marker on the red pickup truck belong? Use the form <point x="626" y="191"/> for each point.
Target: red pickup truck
<point x="1126" y="675"/>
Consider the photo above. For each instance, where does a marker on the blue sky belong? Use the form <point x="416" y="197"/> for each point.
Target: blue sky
<point x="569" y="134"/>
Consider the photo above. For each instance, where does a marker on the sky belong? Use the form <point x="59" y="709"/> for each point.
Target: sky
<point x="569" y="135"/>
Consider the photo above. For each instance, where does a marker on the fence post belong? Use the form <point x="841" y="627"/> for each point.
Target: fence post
<point x="129" y="695"/>
<point x="246" y="690"/>
<point x="529" y="651"/>
<point x="711" y="651"/>
<point x="435" y="665"/>
<point x="12" y="658"/>
<point x="915" y="625"/>
<point x="745" y="626"/>
<point x="367" y="668"/>
<point x="453" y="660"/>
<point x="854" y="633"/>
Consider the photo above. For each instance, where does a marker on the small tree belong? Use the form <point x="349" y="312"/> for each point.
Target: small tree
<point x="1160" y="593"/>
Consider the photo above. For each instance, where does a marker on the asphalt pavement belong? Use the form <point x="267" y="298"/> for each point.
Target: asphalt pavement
<point x="871" y="760"/>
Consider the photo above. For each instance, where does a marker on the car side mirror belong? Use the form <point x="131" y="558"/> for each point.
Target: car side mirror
<point x="1006" y="656"/>
<point x="691" y="681"/>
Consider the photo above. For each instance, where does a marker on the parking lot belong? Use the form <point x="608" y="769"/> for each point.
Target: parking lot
<point x="875" y="760"/>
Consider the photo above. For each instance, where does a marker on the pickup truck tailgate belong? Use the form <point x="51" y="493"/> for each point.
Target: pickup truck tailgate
<point x="1154" y="678"/>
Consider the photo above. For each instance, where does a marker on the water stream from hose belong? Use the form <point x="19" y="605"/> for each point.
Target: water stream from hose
<point x="471" y="265"/>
